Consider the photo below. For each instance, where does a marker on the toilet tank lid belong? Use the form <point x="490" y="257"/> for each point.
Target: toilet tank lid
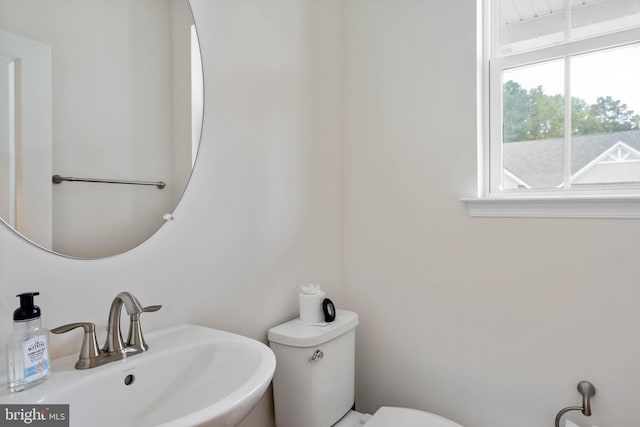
<point x="296" y="333"/>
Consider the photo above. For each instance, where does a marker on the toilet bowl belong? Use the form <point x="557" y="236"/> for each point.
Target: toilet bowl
<point x="314" y="381"/>
<point x="388" y="416"/>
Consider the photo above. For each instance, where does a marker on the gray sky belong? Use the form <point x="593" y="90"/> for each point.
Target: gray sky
<point x="614" y="73"/>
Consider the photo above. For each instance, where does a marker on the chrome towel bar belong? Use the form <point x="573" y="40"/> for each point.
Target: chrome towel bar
<point x="57" y="179"/>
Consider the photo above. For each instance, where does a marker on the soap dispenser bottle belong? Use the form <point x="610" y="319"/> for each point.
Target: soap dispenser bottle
<point x="28" y="348"/>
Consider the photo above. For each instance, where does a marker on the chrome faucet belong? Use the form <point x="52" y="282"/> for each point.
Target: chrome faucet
<point x="114" y="347"/>
<point x="114" y="342"/>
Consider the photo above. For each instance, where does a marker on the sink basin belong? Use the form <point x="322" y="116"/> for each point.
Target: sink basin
<point x="190" y="376"/>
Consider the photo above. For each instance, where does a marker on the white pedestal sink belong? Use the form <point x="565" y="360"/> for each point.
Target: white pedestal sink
<point x="190" y="376"/>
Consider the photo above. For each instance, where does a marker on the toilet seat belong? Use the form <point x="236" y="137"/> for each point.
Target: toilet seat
<point x="404" y="417"/>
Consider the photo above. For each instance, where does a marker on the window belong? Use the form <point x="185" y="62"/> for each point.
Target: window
<point x="563" y="98"/>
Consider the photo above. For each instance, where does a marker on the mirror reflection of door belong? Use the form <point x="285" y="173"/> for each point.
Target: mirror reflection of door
<point x="26" y="150"/>
<point x="7" y="139"/>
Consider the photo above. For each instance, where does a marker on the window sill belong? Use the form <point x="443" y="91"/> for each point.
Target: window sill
<point x="555" y="207"/>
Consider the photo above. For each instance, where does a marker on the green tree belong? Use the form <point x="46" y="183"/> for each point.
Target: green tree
<point x="546" y="116"/>
<point x="583" y="122"/>
<point x="516" y="105"/>
<point x="614" y="115"/>
<point x="530" y="115"/>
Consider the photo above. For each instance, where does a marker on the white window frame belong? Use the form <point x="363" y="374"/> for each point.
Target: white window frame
<point x="565" y="202"/>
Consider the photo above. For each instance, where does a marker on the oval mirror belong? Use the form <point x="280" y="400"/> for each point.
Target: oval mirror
<point x="100" y="119"/>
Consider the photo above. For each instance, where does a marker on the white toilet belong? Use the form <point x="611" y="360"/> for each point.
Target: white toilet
<point x="314" y="381"/>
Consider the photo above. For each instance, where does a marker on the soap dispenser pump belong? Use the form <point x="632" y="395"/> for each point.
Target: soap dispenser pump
<point x="28" y="348"/>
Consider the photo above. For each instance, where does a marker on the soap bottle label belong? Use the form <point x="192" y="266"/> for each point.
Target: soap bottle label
<point x="35" y="358"/>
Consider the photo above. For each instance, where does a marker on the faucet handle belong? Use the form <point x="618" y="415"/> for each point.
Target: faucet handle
<point x="135" y="340"/>
<point x="88" y="327"/>
<point x="151" y="308"/>
<point x="89" y="350"/>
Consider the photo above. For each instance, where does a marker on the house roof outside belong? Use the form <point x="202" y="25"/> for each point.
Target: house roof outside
<point x="540" y="163"/>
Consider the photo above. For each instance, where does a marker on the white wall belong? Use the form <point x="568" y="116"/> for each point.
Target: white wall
<point x="263" y="212"/>
<point x="491" y="322"/>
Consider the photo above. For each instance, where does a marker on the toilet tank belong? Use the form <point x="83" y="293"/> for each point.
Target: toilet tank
<point x="308" y="391"/>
